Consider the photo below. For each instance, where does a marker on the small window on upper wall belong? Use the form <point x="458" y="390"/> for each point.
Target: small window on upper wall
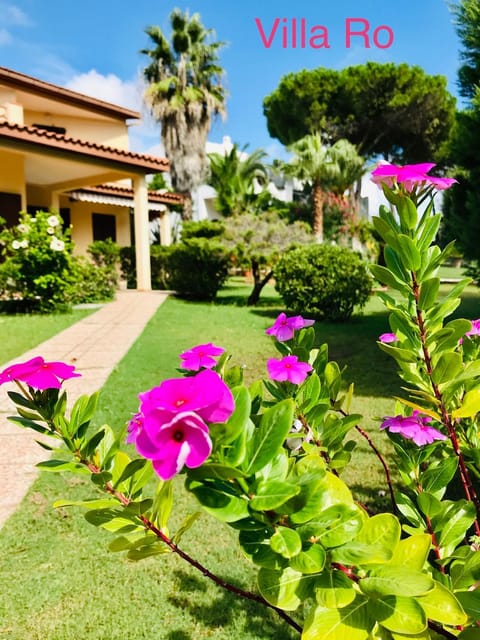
<point x="104" y="226"/>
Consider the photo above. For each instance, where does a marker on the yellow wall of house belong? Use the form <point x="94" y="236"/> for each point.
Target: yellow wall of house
<point x="12" y="174"/>
<point x="81" y="221"/>
<point x="109" y="132"/>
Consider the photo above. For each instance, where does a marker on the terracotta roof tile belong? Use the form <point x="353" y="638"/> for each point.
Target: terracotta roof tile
<point x="52" y="140"/>
<point x="164" y="197"/>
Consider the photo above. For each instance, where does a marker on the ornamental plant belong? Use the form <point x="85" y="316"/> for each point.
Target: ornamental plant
<point x="267" y="460"/>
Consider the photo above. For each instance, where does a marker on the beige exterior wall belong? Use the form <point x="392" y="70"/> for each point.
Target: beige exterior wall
<point x="112" y="133"/>
<point x="12" y="174"/>
<point x="81" y="221"/>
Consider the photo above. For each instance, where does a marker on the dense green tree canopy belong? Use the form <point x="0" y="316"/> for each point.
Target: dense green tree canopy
<point x="396" y="111"/>
<point x="467" y="19"/>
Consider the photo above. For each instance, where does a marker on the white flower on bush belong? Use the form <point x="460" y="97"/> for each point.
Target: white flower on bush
<point x="57" y="245"/>
<point x="52" y="221"/>
<point x="23" y="228"/>
<point x="23" y="244"/>
<point x="15" y="244"/>
<point x="50" y="230"/>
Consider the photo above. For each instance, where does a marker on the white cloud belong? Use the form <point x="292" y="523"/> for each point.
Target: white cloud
<point x="5" y="37"/>
<point x="13" y="15"/>
<point x="109" y="88"/>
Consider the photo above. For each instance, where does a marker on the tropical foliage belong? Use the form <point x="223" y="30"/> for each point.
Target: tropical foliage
<point x="184" y="92"/>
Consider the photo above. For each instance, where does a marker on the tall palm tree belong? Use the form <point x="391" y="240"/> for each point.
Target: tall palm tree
<point x="334" y="168"/>
<point x="184" y="93"/>
<point x="235" y="177"/>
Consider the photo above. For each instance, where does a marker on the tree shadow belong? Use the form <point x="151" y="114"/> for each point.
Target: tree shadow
<point x="225" y="610"/>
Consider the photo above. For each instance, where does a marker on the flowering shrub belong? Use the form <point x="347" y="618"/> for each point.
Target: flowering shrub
<point x="267" y="460"/>
<point x="37" y="261"/>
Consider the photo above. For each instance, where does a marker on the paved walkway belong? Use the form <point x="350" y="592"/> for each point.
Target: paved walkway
<point x="94" y="345"/>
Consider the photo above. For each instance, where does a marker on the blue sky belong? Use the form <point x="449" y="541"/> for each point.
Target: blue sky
<point x="93" y="46"/>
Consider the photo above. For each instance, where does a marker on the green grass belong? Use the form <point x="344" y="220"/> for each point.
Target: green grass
<point x="23" y="332"/>
<point x="57" y="581"/>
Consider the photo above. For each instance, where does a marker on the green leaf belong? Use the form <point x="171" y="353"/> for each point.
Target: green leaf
<point x="334" y="590"/>
<point x="310" y="560"/>
<point x="381" y="531"/>
<point x="352" y="622"/>
<point x="268" y="438"/>
<point x="132" y="467"/>
<point x="442" y="606"/>
<point x="281" y="588"/>
<point x="400" y="355"/>
<point x="437" y="477"/>
<point x="391" y="580"/>
<point x="452" y="527"/>
<point x="412" y="552"/>
<point x="286" y="542"/>
<point x="187" y="524"/>
<point x="147" y="552"/>
<point x="62" y="465"/>
<point x="408" y="213"/>
<point x="334" y="525"/>
<point x="255" y="543"/>
<point x="385" y="276"/>
<point x="215" y="470"/>
<point x="163" y="504"/>
<point x="29" y="424"/>
<point x="470" y="405"/>
<point x="220" y="501"/>
<point x="428" y="293"/>
<point x="100" y="503"/>
<point x="408" y="252"/>
<point x="429" y="504"/>
<point x="272" y="494"/>
<point x="448" y="366"/>
<point x="399" y="613"/>
<point x="470" y="602"/>
<point x="429" y="231"/>
<point x="228" y="432"/>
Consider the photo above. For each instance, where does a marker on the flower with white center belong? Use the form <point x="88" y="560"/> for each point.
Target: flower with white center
<point x="23" y="244"/>
<point x="23" y="228"/>
<point x="15" y="244"/>
<point x="50" y="230"/>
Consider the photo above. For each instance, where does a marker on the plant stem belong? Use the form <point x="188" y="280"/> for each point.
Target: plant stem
<point x="468" y="488"/>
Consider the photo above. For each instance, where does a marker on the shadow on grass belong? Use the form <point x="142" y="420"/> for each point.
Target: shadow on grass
<point x="224" y="611"/>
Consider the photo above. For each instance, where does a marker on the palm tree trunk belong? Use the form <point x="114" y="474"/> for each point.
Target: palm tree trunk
<point x="317" y="199"/>
<point x="187" y="212"/>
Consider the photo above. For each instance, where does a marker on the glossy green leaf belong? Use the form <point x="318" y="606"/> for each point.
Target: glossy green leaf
<point x="62" y="465"/>
<point x="408" y="253"/>
<point x="334" y="526"/>
<point x="256" y="546"/>
<point x="412" y="552"/>
<point x="400" y="355"/>
<point x="382" y="532"/>
<point x="147" y="552"/>
<point x="281" y="588"/>
<point x="449" y="365"/>
<point x="227" y="432"/>
<point x="442" y="606"/>
<point x="221" y="504"/>
<point x="334" y="590"/>
<point x="383" y="275"/>
<point x="286" y="542"/>
<point x="99" y="503"/>
<point x="452" y="527"/>
<point x="310" y="560"/>
<point x="391" y="580"/>
<point x="470" y="603"/>
<point x="132" y="467"/>
<point x="352" y="622"/>
<point x="470" y="405"/>
<point x="437" y="477"/>
<point x="429" y="504"/>
<point x="163" y="504"/>
<point x="469" y="634"/>
<point x="268" y="438"/>
<point x="428" y="293"/>
<point x="408" y="213"/>
<point x="398" y="613"/>
<point x="187" y="524"/>
<point x="272" y="494"/>
<point x="467" y="571"/>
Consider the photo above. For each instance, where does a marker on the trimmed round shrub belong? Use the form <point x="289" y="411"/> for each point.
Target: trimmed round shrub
<point x="158" y="265"/>
<point x="323" y="281"/>
<point x="198" y="268"/>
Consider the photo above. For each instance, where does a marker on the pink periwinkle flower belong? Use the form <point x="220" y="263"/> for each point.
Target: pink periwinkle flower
<point x="475" y="330"/>
<point x="284" y="328"/>
<point x="415" y="427"/>
<point x="288" y="368"/>
<point x="171" y="426"/>
<point x="201" y="356"/>
<point x="39" y="374"/>
<point x="184" y="440"/>
<point x="410" y="175"/>
<point x="388" y="337"/>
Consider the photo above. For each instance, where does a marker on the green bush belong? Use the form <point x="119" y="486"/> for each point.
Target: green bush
<point x="198" y="267"/>
<point x="158" y="264"/>
<point x="91" y="282"/>
<point x="323" y="281"/>
<point x="202" y="229"/>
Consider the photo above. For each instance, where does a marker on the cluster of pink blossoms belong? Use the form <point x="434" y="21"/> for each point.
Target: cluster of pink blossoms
<point x="288" y="368"/>
<point x="410" y="176"/>
<point x="415" y="427"/>
<point x="171" y="427"/>
<point x="39" y="374"/>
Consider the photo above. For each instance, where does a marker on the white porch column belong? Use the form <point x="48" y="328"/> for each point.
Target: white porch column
<point x="142" y="244"/>
<point x="55" y="201"/>
<point x="166" y="228"/>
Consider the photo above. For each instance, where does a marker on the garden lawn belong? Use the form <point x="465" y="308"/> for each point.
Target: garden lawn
<point x="22" y="332"/>
<point x="58" y="582"/>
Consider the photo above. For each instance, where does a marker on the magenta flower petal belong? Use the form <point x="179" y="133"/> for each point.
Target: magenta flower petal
<point x="288" y="368"/>
<point x="201" y="356"/>
<point x="134" y="427"/>
<point x="415" y="427"/>
<point x="387" y="337"/>
<point x="39" y="374"/>
<point x="284" y="328"/>
<point x="410" y="175"/>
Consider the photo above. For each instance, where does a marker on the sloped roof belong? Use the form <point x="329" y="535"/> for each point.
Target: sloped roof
<point x="126" y="194"/>
<point x="60" y="94"/>
<point x="28" y="136"/>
